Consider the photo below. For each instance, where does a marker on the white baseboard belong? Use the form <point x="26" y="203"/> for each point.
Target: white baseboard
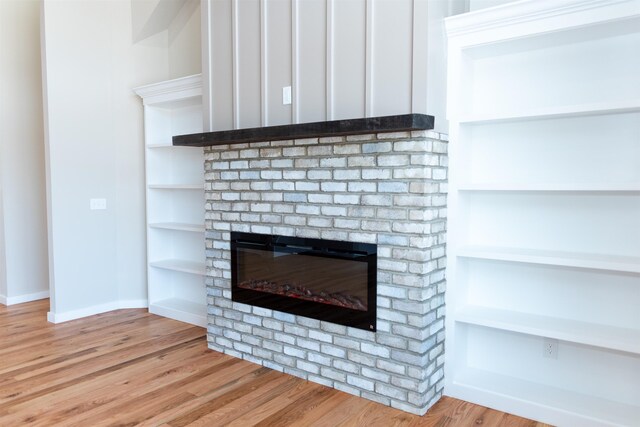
<point x="19" y="299"/>
<point x="95" y="309"/>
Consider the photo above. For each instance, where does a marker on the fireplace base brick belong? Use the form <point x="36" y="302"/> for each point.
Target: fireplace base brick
<point x="388" y="189"/>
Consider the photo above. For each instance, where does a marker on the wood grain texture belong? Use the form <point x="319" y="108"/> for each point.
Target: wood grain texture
<point x="129" y="367"/>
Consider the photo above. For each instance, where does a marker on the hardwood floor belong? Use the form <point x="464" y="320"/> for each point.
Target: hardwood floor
<point x="129" y="367"/>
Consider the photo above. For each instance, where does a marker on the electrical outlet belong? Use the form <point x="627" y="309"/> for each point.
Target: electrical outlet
<point x="286" y="95"/>
<point x="550" y="348"/>
<point x="97" y="204"/>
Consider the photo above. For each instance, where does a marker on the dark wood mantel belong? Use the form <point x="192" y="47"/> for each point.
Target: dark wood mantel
<point x="398" y="123"/>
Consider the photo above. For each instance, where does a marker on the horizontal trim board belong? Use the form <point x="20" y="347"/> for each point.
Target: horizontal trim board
<point x="397" y="123"/>
<point x="57" y="317"/>
<point x="19" y="299"/>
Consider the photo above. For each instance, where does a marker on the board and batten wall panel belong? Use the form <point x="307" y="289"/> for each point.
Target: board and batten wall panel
<point x="310" y="61"/>
<point x="342" y="58"/>
<point x="221" y="67"/>
<point x="248" y="109"/>
<point x="348" y="57"/>
<point x="277" y="34"/>
<point x="391" y="56"/>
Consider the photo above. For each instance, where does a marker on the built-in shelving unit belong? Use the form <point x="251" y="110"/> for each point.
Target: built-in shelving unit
<point x="544" y="210"/>
<point x="175" y="200"/>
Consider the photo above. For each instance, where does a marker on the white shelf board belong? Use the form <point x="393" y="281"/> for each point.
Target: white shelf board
<point x="176" y="186"/>
<point x="182" y="310"/>
<point x="180" y="226"/>
<point x="557" y="187"/>
<point x="184" y="266"/>
<point x="600" y="108"/>
<point x="540" y="401"/>
<point x="619" y="263"/>
<point x="593" y="334"/>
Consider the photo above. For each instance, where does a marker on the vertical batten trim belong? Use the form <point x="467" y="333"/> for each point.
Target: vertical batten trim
<point x="414" y="43"/>
<point x="235" y="67"/>
<point x="295" y="65"/>
<point x="368" y="79"/>
<point x="329" y="62"/>
<point x="264" y="113"/>
<point x="207" y="73"/>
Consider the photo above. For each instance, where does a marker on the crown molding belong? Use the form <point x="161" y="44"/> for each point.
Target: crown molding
<point x="170" y="89"/>
<point x="537" y="11"/>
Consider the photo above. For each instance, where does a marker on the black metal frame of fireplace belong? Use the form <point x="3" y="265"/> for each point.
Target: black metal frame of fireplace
<point x="360" y="252"/>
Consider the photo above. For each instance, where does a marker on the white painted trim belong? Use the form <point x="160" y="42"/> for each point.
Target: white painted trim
<point x="329" y="58"/>
<point x="66" y="316"/>
<point x="414" y="71"/>
<point x="295" y="62"/>
<point x="368" y="78"/>
<point x="205" y="36"/>
<point x="264" y="106"/>
<point x="533" y="11"/>
<point x="170" y="90"/>
<point x="19" y="299"/>
<point x="235" y="69"/>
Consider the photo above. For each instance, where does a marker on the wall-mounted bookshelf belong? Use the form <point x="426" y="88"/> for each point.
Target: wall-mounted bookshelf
<point x="175" y="201"/>
<point x="544" y="210"/>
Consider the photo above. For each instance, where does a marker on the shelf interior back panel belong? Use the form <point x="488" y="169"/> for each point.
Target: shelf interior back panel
<point x="572" y="151"/>
<point x="605" y="224"/>
<point x="578" y="294"/>
<point x="557" y="75"/>
<point x="186" y="206"/>
<point x="578" y="368"/>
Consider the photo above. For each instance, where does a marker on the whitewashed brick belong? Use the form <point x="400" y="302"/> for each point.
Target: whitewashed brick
<point x="307" y="186"/>
<point x="319" y="174"/>
<point x="357" y="187"/>
<point x="294" y="151"/>
<point x="333" y="186"/>
<point x="306" y="163"/>
<point x="396" y="205"/>
<point x="294" y="174"/>
<point x="259" y="164"/>
<point x="334" y="210"/>
<point x="270" y="152"/>
<point x="346" y="174"/>
<point x="346" y="199"/>
<point x="393" y="187"/>
<point x="282" y="163"/>
<point x="361" y="161"/>
<point x="333" y="162"/>
<point x="347" y="148"/>
<point x="393" y="160"/>
<point x="376" y="147"/>
<point x="376" y="173"/>
<point x="271" y="174"/>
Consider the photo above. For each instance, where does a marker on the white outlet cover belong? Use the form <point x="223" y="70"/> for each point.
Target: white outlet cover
<point x="550" y="348"/>
<point x="286" y="95"/>
<point x="97" y="204"/>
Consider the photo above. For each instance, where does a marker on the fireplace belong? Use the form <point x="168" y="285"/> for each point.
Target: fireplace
<point x="328" y="280"/>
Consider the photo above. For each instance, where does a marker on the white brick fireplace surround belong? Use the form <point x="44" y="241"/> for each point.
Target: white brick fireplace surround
<point x="386" y="188"/>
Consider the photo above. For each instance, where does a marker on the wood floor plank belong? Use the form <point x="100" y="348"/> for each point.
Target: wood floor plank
<point x="63" y="404"/>
<point x="132" y="368"/>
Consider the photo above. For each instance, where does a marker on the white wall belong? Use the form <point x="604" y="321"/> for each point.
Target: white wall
<point x="185" y="41"/>
<point x="343" y="59"/>
<point x="94" y="137"/>
<point x="23" y="238"/>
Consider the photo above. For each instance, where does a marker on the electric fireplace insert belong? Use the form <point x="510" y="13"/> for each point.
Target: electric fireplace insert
<point x="326" y="280"/>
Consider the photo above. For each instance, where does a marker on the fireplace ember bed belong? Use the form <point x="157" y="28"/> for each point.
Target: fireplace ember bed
<point x="326" y="280"/>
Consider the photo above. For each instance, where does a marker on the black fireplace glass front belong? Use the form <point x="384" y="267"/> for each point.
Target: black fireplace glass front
<point x="327" y="280"/>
